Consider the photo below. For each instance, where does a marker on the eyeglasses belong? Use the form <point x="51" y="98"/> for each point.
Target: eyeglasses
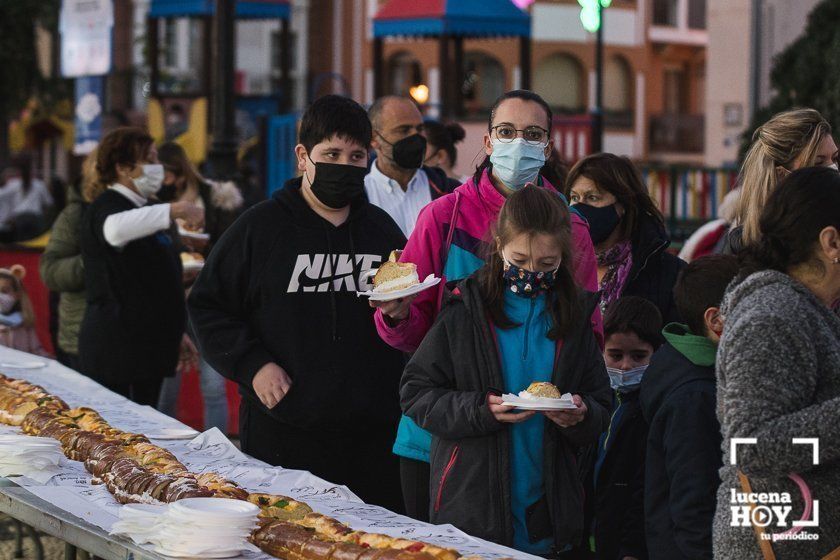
<point x="534" y="135"/>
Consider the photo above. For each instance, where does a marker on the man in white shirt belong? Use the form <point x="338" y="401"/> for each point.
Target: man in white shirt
<point x="396" y="182"/>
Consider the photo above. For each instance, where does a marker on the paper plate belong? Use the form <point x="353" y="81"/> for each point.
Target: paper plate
<point x="540" y="403"/>
<point x="215" y="507"/>
<point x="430" y="281"/>
<point x="193" y="266"/>
<point x="193" y="234"/>
<point x="173" y="433"/>
<point x="31" y="364"/>
<point x="141" y="510"/>
<point x="203" y="554"/>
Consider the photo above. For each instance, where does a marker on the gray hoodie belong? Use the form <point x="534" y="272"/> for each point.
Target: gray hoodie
<point x="778" y="371"/>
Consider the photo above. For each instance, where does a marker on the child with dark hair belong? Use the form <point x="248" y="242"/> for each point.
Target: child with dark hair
<point x="678" y="400"/>
<point x="632" y="328"/>
<point x="275" y="310"/>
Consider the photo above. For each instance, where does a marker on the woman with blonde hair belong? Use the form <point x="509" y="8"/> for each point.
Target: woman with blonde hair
<point x="789" y="141"/>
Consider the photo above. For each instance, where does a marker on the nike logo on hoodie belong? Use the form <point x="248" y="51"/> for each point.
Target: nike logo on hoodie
<point x="313" y="273"/>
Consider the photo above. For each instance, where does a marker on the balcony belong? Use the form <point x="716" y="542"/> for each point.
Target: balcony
<point x="678" y="134"/>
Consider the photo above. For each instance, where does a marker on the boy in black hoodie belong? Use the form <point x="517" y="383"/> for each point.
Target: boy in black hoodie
<point x="632" y="333"/>
<point x="678" y="398"/>
<point x="275" y="309"/>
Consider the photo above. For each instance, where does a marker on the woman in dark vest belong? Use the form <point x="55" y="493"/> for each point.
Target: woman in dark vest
<point x="135" y="318"/>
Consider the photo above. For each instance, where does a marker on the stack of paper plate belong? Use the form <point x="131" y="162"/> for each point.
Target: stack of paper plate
<point x="191" y="528"/>
<point x="31" y="456"/>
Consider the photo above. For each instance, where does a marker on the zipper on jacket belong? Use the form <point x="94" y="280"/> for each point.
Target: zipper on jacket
<point x="658" y="249"/>
<point x="609" y="428"/>
<point x="445" y="474"/>
<point x="528" y="329"/>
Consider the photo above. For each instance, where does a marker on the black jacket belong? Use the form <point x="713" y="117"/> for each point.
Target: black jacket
<point x="268" y="293"/>
<point x="683" y="456"/>
<point x="444" y="389"/>
<point x="619" y="487"/>
<point x="135" y="314"/>
<point x="654" y="270"/>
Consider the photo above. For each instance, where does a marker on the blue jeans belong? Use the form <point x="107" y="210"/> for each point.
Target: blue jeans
<point x="212" y="391"/>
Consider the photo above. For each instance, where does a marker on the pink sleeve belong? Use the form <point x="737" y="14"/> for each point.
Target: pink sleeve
<point x="586" y="270"/>
<point x="424" y="250"/>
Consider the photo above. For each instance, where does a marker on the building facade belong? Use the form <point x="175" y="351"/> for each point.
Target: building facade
<point x="744" y="37"/>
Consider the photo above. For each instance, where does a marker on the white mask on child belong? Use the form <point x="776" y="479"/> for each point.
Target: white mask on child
<point x="626" y="381"/>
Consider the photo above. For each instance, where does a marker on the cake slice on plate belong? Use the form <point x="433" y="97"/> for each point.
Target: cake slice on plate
<point x="393" y="275"/>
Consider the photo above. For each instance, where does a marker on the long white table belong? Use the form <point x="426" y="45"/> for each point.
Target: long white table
<point x="69" y="507"/>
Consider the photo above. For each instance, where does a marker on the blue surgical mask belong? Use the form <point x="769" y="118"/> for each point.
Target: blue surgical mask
<point x="516" y="163"/>
<point x="527" y="283"/>
<point x="626" y="381"/>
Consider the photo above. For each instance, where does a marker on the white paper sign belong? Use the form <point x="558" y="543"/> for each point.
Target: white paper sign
<point x="86" y="28"/>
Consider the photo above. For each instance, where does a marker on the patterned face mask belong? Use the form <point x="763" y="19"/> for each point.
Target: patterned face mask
<point x="527" y="283"/>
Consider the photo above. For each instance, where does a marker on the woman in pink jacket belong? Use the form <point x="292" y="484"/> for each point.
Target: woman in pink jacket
<point x="451" y="240"/>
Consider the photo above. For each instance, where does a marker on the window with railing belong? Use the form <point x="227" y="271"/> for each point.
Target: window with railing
<point x="665" y="12"/>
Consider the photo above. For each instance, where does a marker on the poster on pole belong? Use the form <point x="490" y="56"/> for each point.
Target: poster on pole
<point x="88" y="111"/>
<point x="86" y="35"/>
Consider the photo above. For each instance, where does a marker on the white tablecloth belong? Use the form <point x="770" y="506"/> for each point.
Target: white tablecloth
<point x="72" y="491"/>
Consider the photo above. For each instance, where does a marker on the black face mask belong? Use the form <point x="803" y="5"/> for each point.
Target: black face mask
<point x="602" y="221"/>
<point x="409" y="152"/>
<point x="337" y="185"/>
<point x="167" y="193"/>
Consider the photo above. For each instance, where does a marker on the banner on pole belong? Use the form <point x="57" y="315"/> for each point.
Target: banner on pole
<point x="88" y="120"/>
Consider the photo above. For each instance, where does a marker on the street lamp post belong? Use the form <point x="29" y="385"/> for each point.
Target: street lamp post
<point x="592" y="18"/>
<point x="221" y="160"/>
<point x="598" y="111"/>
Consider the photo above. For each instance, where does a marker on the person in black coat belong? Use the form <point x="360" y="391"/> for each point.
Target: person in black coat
<point x="678" y="400"/>
<point x="135" y="316"/>
<point x="628" y="232"/>
<point x="632" y="328"/>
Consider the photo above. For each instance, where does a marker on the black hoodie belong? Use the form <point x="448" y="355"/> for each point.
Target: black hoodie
<point x="683" y="455"/>
<point x="268" y="293"/>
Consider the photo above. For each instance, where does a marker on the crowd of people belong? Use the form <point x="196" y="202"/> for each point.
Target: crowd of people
<point x="547" y="276"/>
